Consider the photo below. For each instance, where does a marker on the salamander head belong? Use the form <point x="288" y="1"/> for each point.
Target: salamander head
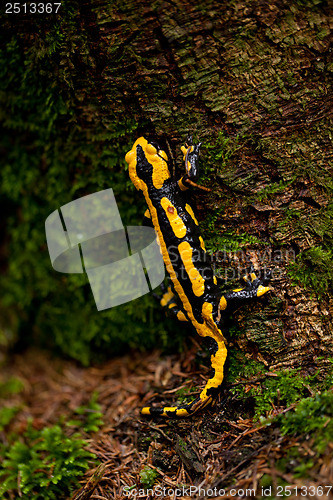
<point x="147" y="164"/>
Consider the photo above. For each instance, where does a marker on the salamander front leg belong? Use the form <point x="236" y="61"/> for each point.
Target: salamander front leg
<point x="255" y="287"/>
<point x="191" y="159"/>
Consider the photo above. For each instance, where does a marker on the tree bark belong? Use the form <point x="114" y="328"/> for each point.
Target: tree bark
<point x="251" y="80"/>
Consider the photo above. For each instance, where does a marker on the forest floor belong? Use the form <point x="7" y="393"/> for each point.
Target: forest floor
<point x="220" y="453"/>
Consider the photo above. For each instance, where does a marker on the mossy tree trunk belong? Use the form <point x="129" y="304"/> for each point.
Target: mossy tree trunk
<point x="252" y="81"/>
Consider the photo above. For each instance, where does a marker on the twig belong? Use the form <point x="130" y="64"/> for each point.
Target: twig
<point x="161" y="432"/>
<point x="89" y="488"/>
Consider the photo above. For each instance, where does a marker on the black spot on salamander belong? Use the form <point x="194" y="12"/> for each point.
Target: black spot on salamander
<point x="212" y="345"/>
<point x="213" y="391"/>
<point x="172" y="413"/>
<point x="156" y="412"/>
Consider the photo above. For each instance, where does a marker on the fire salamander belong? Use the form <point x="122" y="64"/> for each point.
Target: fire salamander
<point x="184" y="255"/>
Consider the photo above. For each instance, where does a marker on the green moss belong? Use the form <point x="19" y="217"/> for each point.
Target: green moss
<point x="239" y="366"/>
<point x="313" y="269"/>
<point x="283" y="390"/>
<point x="184" y="394"/>
<point x="273" y="188"/>
<point x="148" y="476"/>
<point x="294" y="461"/>
<point x="7" y="413"/>
<point x="280" y="389"/>
<point x="229" y="241"/>
<point x="313" y="417"/>
<point x="43" y="464"/>
<point x="11" y="386"/>
<point x="88" y="417"/>
<point x="51" y="158"/>
<point x="217" y="154"/>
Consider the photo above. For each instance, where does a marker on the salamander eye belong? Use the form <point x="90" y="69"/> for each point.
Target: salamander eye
<point x="150" y="149"/>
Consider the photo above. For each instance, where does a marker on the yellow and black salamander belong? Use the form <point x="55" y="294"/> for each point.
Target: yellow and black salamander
<point x="184" y="255"/>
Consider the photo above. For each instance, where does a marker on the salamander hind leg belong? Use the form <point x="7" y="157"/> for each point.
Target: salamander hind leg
<point x="218" y="350"/>
<point x="182" y="410"/>
<point x="208" y="394"/>
<point x="170" y="303"/>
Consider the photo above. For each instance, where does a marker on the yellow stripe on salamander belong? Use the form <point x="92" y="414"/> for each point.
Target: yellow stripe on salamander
<point x="145" y="410"/>
<point x="202" y="244"/>
<point x="160" y="170"/>
<point x="182" y="185"/>
<point x="158" y="162"/>
<point x="223" y="304"/>
<point x="181" y="316"/>
<point x="167" y="296"/>
<point x="176" y="222"/>
<point x="190" y="211"/>
<point x="198" y="282"/>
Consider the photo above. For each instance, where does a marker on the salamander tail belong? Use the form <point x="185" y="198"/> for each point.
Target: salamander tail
<point x="181" y="411"/>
